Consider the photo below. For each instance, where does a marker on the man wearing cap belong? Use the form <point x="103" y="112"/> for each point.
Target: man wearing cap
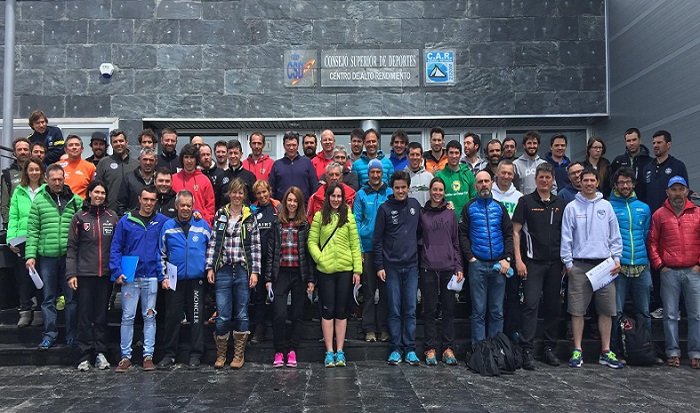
<point x="678" y="260"/>
<point x="98" y="144"/>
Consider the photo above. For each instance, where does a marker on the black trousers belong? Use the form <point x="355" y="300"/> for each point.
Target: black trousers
<point x="511" y="306"/>
<point x="373" y="316"/>
<point x="334" y="291"/>
<point x="433" y="287"/>
<point x="188" y="297"/>
<point x="543" y="280"/>
<point x="288" y="280"/>
<point x="26" y="287"/>
<point x="93" y="299"/>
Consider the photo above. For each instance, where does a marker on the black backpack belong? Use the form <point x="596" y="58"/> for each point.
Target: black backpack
<point x="495" y="356"/>
<point x="636" y="341"/>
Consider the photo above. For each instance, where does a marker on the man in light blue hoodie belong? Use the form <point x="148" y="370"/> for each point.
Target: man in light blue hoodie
<point x="590" y="234"/>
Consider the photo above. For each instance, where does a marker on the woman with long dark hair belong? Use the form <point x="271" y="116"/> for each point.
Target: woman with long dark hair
<point x="440" y="259"/>
<point x="87" y="271"/>
<point x="334" y="244"/>
<point x="32" y="181"/>
<point x="289" y="269"/>
<point x="594" y="158"/>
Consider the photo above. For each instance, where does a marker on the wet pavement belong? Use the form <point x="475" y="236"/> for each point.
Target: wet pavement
<point x="359" y="387"/>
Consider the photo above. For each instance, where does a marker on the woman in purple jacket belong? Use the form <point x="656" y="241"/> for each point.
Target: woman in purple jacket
<point x="440" y="259"/>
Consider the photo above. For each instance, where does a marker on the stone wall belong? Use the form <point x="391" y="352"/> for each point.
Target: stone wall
<point x="212" y="59"/>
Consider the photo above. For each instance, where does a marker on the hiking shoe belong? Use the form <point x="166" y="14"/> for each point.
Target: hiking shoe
<point x="258" y="335"/>
<point x="166" y="363"/>
<point x="610" y="359"/>
<point x="101" y="362"/>
<point x="412" y="358"/>
<point x="194" y="363"/>
<point x="60" y="303"/>
<point x="330" y="359"/>
<point x="673" y="361"/>
<point x="70" y="342"/>
<point x="576" y="359"/>
<point x="430" y="358"/>
<point x="658" y="313"/>
<point x="279" y="360"/>
<point x="370" y="337"/>
<point x="529" y="360"/>
<point x="385" y="336"/>
<point x="551" y="358"/>
<point x="695" y="363"/>
<point x="340" y="359"/>
<point x="45" y="344"/>
<point x="124" y="365"/>
<point x="148" y="364"/>
<point x="448" y="357"/>
<point x="292" y="359"/>
<point x="394" y="358"/>
<point x="84" y="365"/>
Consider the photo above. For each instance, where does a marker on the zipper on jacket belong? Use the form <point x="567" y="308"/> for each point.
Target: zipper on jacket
<point x="99" y="245"/>
<point x="629" y="217"/>
<point x="488" y="229"/>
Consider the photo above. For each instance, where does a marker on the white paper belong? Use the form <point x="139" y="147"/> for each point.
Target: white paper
<point x="17" y="240"/>
<point x="38" y="283"/>
<point x="355" y="291"/>
<point x="599" y="276"/>
<point x="270" y="295"/>
<point x="454" y="285"/>
<point x="171" y="270"/>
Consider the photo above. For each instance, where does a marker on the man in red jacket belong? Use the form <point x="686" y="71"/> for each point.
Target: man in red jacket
<point x="334" y="174"/>
<point x="678" y="260"/>
<point x="193" y="180"/>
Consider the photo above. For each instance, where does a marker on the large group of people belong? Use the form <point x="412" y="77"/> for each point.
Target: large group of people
<point x="173" y="227"/>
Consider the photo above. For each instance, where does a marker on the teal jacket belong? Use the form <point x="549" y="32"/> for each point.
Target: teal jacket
<point x="365" y="207"/>
<point x="360" y="167"/>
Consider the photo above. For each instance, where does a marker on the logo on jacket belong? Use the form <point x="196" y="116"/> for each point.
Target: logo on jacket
<point x="601" y="213"/>
<point x="224" y="181"/>
<point x="395" y="217"/>
<point x="195" y="238"/>
<point x="667" y="171"/>
<point x="456" y="185"/>
<point x="259" y="216"/>
<point x="86" y="226"/>
<point x="412" y="211"/>
<point x="113" y="165"/>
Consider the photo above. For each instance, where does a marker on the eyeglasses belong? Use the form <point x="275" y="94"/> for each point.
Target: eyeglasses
<point x="624" y="183"/>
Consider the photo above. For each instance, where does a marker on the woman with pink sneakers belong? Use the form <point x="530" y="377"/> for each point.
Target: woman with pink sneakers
<point x="289" y="269"/>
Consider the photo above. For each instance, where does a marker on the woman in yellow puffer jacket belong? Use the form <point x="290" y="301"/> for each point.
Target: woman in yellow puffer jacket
<point x="334" y="245"/>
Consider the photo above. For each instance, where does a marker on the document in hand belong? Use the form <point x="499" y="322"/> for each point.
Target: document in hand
<point x="599" y="276"/>
<point x="171" y="271"/>
<point x="454" y="285"/>
<point x="129" y="263"/>
<point x="38" y="283"/>
<point x="356" y="291"/>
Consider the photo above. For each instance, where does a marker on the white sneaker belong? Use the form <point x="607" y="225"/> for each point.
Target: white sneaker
<point x="101" y="362"/>
<point x="84" y="365"/>
<point x="658" y="313"/>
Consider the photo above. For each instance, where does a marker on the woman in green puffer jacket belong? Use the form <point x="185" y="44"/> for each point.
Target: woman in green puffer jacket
<point x="32" y="182"/>
<point x="334" y="245"/>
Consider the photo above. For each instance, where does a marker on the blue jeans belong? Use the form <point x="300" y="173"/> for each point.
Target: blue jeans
<point x="145" y="289"/>
<point x="640" y="288"/>
<point x="232" y="297"/>
<point x="487" y="289"/>
<point x="53" y="272"/>
<point x="401" y="293"/>
<point x="673" y="282"/>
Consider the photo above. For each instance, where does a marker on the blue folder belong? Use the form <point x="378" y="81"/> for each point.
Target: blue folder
<point x="129" y="263"/>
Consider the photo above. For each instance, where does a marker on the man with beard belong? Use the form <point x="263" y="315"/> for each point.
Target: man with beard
<point x="133" y="183"/>
<point x="486" y="239"/>
<point x="372" y="151"/>
<point x="165" y="196"/>
<point x="557" y="157"/>
<point x="436" y="157"/>
<point x="493" y="156"/>
<point x="309" y="145"/>
<point x="207" y="164"/>
<point x="235" y="170"/>
<point x="98" y="144"/>
<point x="11" y="175"/>
<point x="510" y="147"/>
<point x="257" y="162"/>
<point x="50" y="136"/>
<point x="526" y="164"/>
<point x="472" y="145"/>
<point x="356" y="144"/>
<point x="636" y="157"/>
<point x="168" y="156"/>
<point x="112" y="169"/>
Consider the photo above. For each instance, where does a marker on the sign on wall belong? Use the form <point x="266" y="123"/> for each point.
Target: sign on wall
<point x="300" y="67"/>
<point x="370" y="68"/>
<point x="439" y="67"/>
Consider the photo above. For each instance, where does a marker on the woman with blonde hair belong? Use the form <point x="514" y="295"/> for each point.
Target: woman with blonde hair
<point x="334" y="244"/>
<point x="289" y="269"/>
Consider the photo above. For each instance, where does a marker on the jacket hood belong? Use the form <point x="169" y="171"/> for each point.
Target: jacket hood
<point x="97" y="209"/>
<point x="525" y="158"/>
<point x="368" y="189"/>
<point x="264" y="157"/>
<point x="65" y="191"/>
<point x="688" y="205"/>
<point x="428" y="206"/>
<point x="510" y="191"/>
<point x="420" y="170"/>
<point x="616" y="197"/>
<point x="392" y="200"/>
<point x="392" y="155"/>
<point x="564" y="162"/>
<point x="643" y="150"/>
<point x="197" y="172"/>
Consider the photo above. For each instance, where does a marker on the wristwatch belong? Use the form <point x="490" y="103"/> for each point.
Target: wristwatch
<point x="507" y="259"/>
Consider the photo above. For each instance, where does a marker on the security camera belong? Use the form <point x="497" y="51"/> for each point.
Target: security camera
<point x="106" y="69"/>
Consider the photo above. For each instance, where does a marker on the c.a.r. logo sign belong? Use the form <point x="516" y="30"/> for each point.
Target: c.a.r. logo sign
<point x="439" y="67"/>
<point x="300" y="68"/>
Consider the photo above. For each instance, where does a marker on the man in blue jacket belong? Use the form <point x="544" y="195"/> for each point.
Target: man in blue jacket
<point x="634" y="219"/>
<point x="371" y="152"/>
<point x="183" y="243"/>
<point x="137" y="234"/>
<point x="367" y="202"/>
<point x="395" y="247"/>
<point x="486" y="240"/>
<point x="292" y="170"/>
